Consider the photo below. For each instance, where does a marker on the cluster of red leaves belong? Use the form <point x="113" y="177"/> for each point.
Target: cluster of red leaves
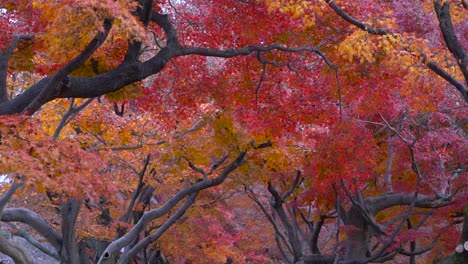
<point x="60" y="167"/>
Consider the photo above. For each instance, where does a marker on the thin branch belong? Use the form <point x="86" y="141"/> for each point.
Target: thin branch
<point x="407" y="215"/>
<point x="442" y="9"/>
<point x="269" y="217"/>
<point x="360" y="205"/>
<point x="125" y="258"/>
<point x="388" y="167"/>
<point x="366" y="27"/>
<point x="200" y="124"/>
<point x="414" y="163"/>
<point x="17" y="183"/>
<point x="4" y="59"/>
<point x="296" y="182"/>
<point x="229" y="53"/>
<point x="69" y="115"/>
<point x="420" y="251"/>
<point x="197" y="169"/>
<point x="262" y="77"/>
<point x="127" y="216"/>
<point x="447" y="29"/>
<point x="340" y="98"/>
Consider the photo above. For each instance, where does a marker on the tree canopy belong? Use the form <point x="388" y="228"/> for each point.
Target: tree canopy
<point x="234" y="131"/>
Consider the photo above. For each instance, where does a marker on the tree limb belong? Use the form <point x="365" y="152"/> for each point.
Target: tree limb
<point x="14" y="251"/>
<point x="59" y="79"/>
<point x="127" y="216"/>
<point x="123" y="241"/>
<point x="269" y="217"/>
<point x="382" y="202"/>
<point x="9" y="193"/>
<point x="442" y="9"/>
<point x="277" y="205"/>
<point x="126" y="257"/>
<point x="35" y="221"/>
<point x="4" y="59"/>
<point x="462" y="88"/>
<point x="33" y="241"/>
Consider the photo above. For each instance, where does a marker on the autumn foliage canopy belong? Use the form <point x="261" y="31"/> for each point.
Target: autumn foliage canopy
<point x="269" y="131"/>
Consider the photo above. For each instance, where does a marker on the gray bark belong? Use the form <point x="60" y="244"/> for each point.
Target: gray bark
<point x="69" y="211"/>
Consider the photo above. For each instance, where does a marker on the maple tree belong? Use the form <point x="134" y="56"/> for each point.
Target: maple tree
<point x="244" y="131"/>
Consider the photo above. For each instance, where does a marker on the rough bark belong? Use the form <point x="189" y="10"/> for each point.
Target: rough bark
<point x="69" y="211"/>
<point x="358" y="234"/>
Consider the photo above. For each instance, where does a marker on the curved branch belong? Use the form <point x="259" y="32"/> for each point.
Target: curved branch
<point x="450" y="38"/>
<point x="71" y="112"/>
<point x="62" y="86"/>
<point x="35" y="221"/>
<point x="127" y="216"/>
<point x="9" y="193"/>
<point x="353" y="21"/>
<point x="229" y="53"/>
<point x="296" y="182"/>
<point x="18" y="253"/>
<point x="379" y="203"/>
<point x="33" y="241"/>
<point x="4" y="58"/>
<point x="125" y="258"/>
<point x="447" y="27"/>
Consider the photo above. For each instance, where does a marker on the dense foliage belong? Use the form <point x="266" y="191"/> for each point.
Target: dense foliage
<point x="274" y="131"/>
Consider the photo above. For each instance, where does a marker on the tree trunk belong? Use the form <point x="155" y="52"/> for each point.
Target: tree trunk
<point x="358" y="235"/>
<point x="70" y="253"/>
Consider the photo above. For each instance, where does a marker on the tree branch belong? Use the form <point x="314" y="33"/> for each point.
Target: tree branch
<point x="277" y="204"/>
<point x="126" y="257"/>
<point x="382" y="202"/>
<point x="4" y="59"/>
<point x="6" y="197"/>
<point x="72" y="112"/>
<point x="127" y="216"/>
<point x="59" y="79"/>
<point x="116" y="245"/>
<point x="462" y="88"/>
<point x="35" y="221"/>
<point x="296" y="182"/>
<point x="420" y="251"/>
<point x="353" y="21"/>
<point x="22" y="233"/>
<point x="450" y="38"/>
<point x="269" y="217"/>
<point x="14" y="251"/>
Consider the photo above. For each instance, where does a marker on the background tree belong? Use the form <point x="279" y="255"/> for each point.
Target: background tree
<point x="344" y="124"/>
